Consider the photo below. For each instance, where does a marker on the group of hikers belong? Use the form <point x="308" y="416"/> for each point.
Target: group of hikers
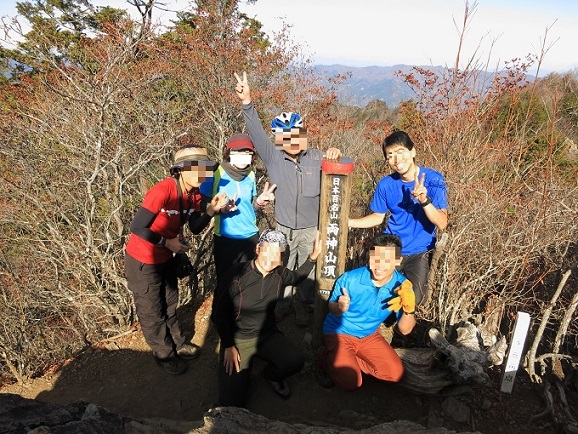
<point x="257" y="273"/>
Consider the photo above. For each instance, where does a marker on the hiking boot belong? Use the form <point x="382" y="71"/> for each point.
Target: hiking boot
<point x="282" y="310"/>
<point x="301" y="314"/>
<point x="281" y="388"/>
<point x="189" y="351"/>
<point x="173" y="365"/>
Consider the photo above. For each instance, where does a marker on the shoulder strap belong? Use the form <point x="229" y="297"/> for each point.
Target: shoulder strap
<point x="216" y="179"/>
<point x="180" y="195"/>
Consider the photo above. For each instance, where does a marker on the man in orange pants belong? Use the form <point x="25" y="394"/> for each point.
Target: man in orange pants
<point x="360" y="301"/>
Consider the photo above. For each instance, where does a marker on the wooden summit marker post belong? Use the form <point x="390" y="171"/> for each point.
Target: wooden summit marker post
<point x="336" y="179"/>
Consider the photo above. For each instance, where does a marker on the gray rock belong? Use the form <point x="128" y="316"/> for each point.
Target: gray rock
<point x="486" y="404"/>
<point x="21" y="415"/>
<point x="454" y="409"/>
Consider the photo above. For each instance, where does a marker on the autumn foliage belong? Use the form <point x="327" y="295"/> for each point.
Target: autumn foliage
<point x="95" y="104"/>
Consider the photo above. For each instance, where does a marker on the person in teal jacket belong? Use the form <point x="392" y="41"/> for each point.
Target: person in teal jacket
<point x="235" y="232"/>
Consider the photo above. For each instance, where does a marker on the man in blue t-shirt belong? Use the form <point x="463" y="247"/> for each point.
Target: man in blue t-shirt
<point x="416" y="199"/>
<point x="360" y="301"/>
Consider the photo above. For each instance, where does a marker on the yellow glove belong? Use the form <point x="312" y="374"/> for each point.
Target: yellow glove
<point x="394" y="304"/>
<point x="407" y="297"/>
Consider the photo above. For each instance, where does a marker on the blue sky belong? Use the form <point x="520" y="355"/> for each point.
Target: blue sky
<point x="416" y="32"/>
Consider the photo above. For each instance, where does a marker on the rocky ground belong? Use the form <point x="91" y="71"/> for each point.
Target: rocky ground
<point x="120" y="375"/>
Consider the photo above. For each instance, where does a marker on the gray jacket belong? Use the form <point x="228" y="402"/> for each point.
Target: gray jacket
<point x="298" y="183"/>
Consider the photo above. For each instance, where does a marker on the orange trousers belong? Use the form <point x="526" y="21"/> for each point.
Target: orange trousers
<point x="345" y="358"/>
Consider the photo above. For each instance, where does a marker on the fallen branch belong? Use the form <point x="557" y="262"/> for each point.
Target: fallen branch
<point x="565" y="423"/>
<point x="420" y="371"/>
<point x="531" y="356"/>
<point x="565" y="323"/>
<point x="554" y="356"/>
<point x="120" y="335"/>
<point x="429" y="370"/>
<point x="564" y="401"/>
<point x="464" y="360"/>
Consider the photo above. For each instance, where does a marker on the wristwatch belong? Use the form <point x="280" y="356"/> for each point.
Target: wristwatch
<point x="427" y="202"/>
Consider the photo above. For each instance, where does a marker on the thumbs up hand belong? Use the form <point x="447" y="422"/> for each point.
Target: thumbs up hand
<point x="343" y="301"/>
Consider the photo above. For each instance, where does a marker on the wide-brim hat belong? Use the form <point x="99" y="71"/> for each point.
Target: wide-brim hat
<point x="193" y="156"/>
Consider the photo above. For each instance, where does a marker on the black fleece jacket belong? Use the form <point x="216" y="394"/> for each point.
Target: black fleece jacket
<point x="244" y="300"/>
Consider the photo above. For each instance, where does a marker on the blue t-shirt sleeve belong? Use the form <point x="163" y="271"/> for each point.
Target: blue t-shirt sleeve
<point x="378" y="202"/>
<point x="337" y="286"/>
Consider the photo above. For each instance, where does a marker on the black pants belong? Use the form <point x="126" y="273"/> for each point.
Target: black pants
<point x="230" y="251"/>
<point x="283" y="357"/>
<point x="156" y="295"/>
<point x="416" y="268"/>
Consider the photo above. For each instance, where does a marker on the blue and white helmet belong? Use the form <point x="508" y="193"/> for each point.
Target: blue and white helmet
<point x="286" y="120"/>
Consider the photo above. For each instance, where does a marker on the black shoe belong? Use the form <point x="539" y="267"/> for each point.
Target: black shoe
<point x="281" y="388"/>
<point x="173" y="365"/>
<point x="189" y="351"/>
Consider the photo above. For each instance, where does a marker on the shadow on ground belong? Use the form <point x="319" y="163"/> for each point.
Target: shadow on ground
<point x="121" y="376"/>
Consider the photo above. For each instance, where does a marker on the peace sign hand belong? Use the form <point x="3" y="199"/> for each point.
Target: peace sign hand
<point x="317" y="247"/>
<point x="267" y="195"/>
<point x="217" y="203"/>
<point x="419" y="190"/>
<point x="242" y="88"/>
<point x="230" y="205"/>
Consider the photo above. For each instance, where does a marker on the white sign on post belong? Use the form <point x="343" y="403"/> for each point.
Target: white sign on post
<point x="515" y="354"/>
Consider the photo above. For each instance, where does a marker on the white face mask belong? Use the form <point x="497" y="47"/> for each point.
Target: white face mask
<point x="240" y="159"/>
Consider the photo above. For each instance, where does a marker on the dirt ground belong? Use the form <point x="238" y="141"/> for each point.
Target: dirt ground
<point x="121" y="375"/>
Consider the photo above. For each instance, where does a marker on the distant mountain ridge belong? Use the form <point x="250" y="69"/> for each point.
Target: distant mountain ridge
<point x="369" y="83"/>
